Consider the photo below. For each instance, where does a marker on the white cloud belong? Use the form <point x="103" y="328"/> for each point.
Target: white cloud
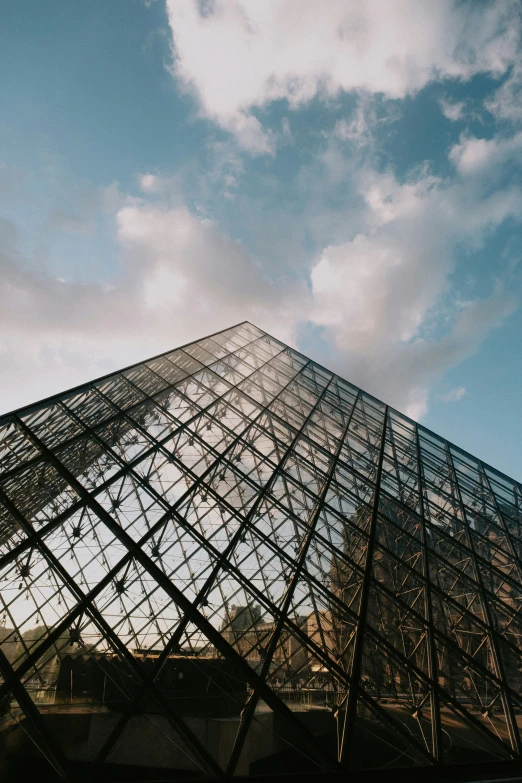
<point x="452" y="110"/>
<point x="180" y="278"/>
<point x="237" y="55"/>
<point x="150" y="183"/>
<point x="250" y="134"/>
<point x="359" y="129"/>
<point x="188" y="266"/>
<point x="378" y="295"/>
<point x="453" y="395"/>
<point x="376" y="289"/>
<point x="506" y="102"/>
<point x="478" y="156"/>
<point x="356" y="131"/>
<point x="472" y="154"/>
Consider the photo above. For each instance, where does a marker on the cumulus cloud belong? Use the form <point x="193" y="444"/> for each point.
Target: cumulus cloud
<point x="452" y="110"/>
<point x="378" y="296"/>
<point x="477" y="156"/>
<point x="177" y="262"/>
<point x="150" y="183"/>
<point x="377" y="288"/>
<point x="237" y="56"/>
<point x="179" y="279"/>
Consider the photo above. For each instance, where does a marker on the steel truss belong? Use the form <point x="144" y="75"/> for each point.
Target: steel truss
<point x="251" y="565"/>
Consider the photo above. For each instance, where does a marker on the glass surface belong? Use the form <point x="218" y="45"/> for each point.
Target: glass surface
<point x="228" y="560"/>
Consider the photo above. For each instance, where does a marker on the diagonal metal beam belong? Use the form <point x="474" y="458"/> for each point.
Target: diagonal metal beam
<point x="249" y="710"/>
<point x="436" y="729"/>
<point x="350" y="710"/>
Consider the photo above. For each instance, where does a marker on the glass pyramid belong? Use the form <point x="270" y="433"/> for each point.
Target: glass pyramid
<point x="227" y="560"/>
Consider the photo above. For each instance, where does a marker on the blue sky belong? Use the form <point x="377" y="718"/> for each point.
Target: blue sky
<point x="344" y="175"/>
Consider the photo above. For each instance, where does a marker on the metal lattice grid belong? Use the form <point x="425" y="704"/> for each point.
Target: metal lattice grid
<point x="228" y="560"/>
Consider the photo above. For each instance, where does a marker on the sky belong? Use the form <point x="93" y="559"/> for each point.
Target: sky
<point x="344" y="175"/>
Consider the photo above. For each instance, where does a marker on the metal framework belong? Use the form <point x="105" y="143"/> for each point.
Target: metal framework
<point x="228" y="560"/>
